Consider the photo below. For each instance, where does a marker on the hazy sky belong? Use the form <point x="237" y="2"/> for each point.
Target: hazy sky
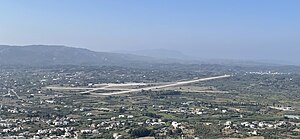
<point x="231" y="29"/>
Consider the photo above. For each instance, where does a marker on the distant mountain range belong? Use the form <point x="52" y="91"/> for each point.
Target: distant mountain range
<point x="62" y="55"/>
<point x="43" y="55"/>
<point x="179" y="57"/>
<point x="159" y="53"/>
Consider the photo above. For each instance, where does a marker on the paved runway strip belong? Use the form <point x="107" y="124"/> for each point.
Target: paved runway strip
<point x="156" y="87"/>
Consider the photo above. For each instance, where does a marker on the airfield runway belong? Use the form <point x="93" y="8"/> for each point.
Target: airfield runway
<point x="160" y="86"/>
<point x="125" y="91"/>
